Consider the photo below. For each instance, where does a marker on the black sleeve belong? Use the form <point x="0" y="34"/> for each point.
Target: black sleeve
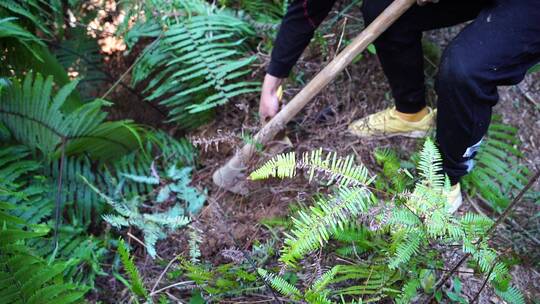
<point x="297" y="28"/>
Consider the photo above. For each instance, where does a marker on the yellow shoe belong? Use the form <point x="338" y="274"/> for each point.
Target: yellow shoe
<point x="454" y="198"/>
<point x="386" y="124"/>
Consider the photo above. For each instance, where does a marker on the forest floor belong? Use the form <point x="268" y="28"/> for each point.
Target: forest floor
<point x="231" y="221"/>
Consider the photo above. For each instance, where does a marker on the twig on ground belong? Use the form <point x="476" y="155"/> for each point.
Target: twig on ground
<point x="171" y="286"/>
<point x="174" y="298"/>
<point x="341" y="36"/>
<point x="164" y="272"/>
<point x="140" y="242"/>
<point x="528" y="96"/>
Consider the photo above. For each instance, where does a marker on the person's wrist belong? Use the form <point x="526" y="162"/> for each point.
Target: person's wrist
<point x="271" y="84"/>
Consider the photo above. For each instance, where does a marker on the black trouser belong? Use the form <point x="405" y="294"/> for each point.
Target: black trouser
<point x="496" y="49"/>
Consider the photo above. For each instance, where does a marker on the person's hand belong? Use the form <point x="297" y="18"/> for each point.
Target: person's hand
<point x="424" y="2"/>
<point x="269" y="103"/>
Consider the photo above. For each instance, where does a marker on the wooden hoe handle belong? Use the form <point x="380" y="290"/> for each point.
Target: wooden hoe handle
<point x="230" y="174"/>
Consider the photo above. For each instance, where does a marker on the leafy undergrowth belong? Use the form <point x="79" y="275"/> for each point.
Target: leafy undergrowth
<point x="105" y="180"/>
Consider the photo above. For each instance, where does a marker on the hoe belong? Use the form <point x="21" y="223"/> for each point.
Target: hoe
<point x="231" y="176"/>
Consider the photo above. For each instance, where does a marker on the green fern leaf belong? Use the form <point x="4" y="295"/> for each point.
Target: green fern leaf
<point x="430" y="165"/>
<point x="279" y="284"/>
<point x="37" y="120"/>
<point x="511" y="295"/>
<point x="137" y="285"/>
<point x="197" y="63"/>
<point x="406" y="249"/>
<point x="312" y="229"/>
<point x="498" y="171"/>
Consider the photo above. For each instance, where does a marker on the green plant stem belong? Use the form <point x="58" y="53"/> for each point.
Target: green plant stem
<point x="58" y="203"/>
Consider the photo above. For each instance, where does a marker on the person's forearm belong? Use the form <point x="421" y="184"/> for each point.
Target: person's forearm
<point x="297" y="28"/>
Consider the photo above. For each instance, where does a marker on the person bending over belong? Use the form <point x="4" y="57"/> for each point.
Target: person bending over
<point x="497" y="48"/>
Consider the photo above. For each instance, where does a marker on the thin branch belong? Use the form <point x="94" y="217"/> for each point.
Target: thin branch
<point x="516" y="200"/>
<point x="477" y="296"/>
<point x="171" y="286"/>
<point x="108" y="75"/>
<point x="119" y="80"/>
<point x="140" y="242"/>
<point x="148" y="48"/>
<point x="341" y="37"/>
<point x="163" y="273"/>
<point x="499" y="220"/>
<point x="511" y="222"/>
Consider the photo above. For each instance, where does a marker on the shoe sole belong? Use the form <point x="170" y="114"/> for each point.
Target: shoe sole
<point x="413" y="134"/>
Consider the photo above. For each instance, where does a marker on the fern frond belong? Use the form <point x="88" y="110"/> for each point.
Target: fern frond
<point x="155" y="225"/>
<point x="21" y="50"/>
<point x="498" y="171"/>
<point x="406" y="248"/>
<point x="27" y="278"/>
<point x="474" y="224"/>
<point x="325" y="279"/>
<point x="312" y="229"/>
<point x="30" y="11"/>
<point x="157" y="146"/>
<point x="150" y="180"/>
<point x="10" y="29"/>
<point x="341" y="171"/>
<point x="409" y="291"/>
<point x="364" y="280"/>
<point x="180" y="150"/>
<point x="281" y="166"/>
<point x="389" y="160"/>
<point x="194" y="242"/>
<point x="430" y="165"/>
<point x="353" y="233"/>
<point x="264" y="11"/>
<point x="279" y="284"/>
<point x="137" y="285"/>
<point x="438" y="223"/>
<point x="80" y="200"/>
<point x="30" y="195"/>
<point x="392" y="171"/>
<point x="198" y="62"/>
<point x="317" y="297"/>
<point x="81" y="54"/>
<point x="36" y="119"/>
<point x="404" y="217"/>
<point x="511" y="295"/>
